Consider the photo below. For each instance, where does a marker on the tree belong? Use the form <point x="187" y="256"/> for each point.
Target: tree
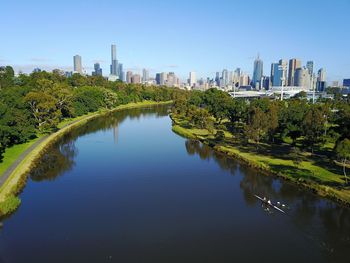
<point x="313" y="126"/>
<point x="201" y="119"/>
<point x="6" y="77"/>
<point x="257" y="125"/>
<point x="44" y="110"/>
<point x="343" y="151"/>
<point x="217" y="103"/>
<point x="272" y="120"/>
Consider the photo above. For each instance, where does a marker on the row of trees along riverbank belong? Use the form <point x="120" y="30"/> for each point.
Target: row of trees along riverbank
<point x="307" y="142"/>
<point x="35" y="104"/>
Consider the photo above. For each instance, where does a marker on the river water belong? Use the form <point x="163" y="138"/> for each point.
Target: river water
<point x="125" y="188"/>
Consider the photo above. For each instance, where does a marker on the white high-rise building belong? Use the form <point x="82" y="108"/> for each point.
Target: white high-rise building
<point x="192" y="79"/>
<point x="77" y="64"/>
<point x="145" y="75"/>
<point x="114" y="61"/>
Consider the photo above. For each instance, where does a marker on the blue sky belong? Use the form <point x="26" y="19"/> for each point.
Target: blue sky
<point x="181" y="36"/>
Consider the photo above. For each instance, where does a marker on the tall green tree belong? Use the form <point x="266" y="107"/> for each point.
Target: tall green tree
<point x="343" y="152"/>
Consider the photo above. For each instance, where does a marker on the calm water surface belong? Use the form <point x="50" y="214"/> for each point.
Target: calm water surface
<point x="125" y="188"/>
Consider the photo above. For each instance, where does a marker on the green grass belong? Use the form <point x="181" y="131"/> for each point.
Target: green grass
<point x="11" y="154"/>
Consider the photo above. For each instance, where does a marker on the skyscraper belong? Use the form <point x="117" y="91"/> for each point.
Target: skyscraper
<point x="120" y="72"/>
<point x="98" y="70"/>
<point x="321" y="80"/>
<point x="224" y="78"/>
<point x="192" y="79"/>
<point x="310" y="67"/>
<point x="136" y="79"/>
<point x="128" y="76"/>
<point x="258" y="71"/>
<point x="114" y="61"/>
<point x="77" y="64"/>
<point x="158" y="78"/>
<point x="163" y="78"/>
<point x="279" y="73"/>
<point x="294" y="64"/>
<point x="302" y="78"/>
<point x="145" y="75"/>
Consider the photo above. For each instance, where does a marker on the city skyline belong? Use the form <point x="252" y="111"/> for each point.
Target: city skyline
<point x="142" y="46"/>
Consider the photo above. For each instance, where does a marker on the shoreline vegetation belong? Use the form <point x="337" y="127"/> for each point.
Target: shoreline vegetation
<point x="15" y="182"/>
<point x="305" y="143"/>
<point x="36" y="108"/>
<point x="262" y="163"/>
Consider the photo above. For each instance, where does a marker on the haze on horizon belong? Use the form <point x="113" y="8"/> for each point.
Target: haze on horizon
<point x="201" y="36"/>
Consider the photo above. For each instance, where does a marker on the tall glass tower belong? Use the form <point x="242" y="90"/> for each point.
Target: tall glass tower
<point x="258" y="71"/>
<point x="114" y="64"/>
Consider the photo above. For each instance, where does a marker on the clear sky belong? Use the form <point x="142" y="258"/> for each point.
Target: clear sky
<point x="181" y="36"/>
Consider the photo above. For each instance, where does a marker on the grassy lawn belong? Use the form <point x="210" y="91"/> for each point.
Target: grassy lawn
<point x="11" y="154"/>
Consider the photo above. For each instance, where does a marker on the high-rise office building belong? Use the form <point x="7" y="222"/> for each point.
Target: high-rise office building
<point x="158" y="78"/>
<point x="128" y="76"/>
<point x="217" y="78"/>
<point x="77" y="64"/>
<point x="136" y="79"/>
<point x="114" y="61"/>
<point x="321" y="80"/>
<point x="120" y="72"/>
<point x="346" y="82"/>
<point x="98" y="70"/>
<point x="302" y="78"/>
<point x="279" y="73"/>
<point x="294" y="64"/>
<point x="192" y="79"/>
<point x="145" y="75"/>
<point x="224" y="78"/>
<point x="163" y="78"/>
<point x="310" y="67"/>
<point x="258" y="71"/>
<point x="321" y="76"/>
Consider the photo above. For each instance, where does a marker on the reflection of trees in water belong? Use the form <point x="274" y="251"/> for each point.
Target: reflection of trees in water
<point x="55" y="162"/>
<point x="59" y="158"/>
<point x="323" y="222"/>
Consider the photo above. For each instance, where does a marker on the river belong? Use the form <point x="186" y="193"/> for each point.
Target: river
<point x="125" y="188"/>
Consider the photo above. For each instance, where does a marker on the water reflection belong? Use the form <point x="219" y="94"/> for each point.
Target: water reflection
<point x="59" y="158"/>
<point x="321" y="221"/>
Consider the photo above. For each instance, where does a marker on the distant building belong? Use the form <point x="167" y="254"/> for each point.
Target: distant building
<point x="302" y="78"/>
<point x="294" y="64"/>
<point x="158" y="78"/>
<point x="145" y="75"/>
<point x="128" y="76"/>
<point x="258" y="72"/>
<point x="120" y="72"/>
<point x="36" y="70"/>
<point x="98" y="70"/>
<point x="114" y="61"/>
<point x="192" y="81"/>
<point x="346" y="83"/>
<point x="265" y="83"/>
<point x="172" y="80"/>
<point x="77" y="64"/>
<point x="279" y="73"/>
<point x="321" y="84"/>
<point x="163" y="78"/>
<point x="136" y="79"/>
<point x="310" y="67"/>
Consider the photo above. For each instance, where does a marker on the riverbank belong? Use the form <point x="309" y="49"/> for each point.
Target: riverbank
<point x="21" y="160"/>
<point x="310" y="173"/>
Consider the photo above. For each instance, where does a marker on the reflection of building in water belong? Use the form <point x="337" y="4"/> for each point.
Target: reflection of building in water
<point x="115" y="133"/>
